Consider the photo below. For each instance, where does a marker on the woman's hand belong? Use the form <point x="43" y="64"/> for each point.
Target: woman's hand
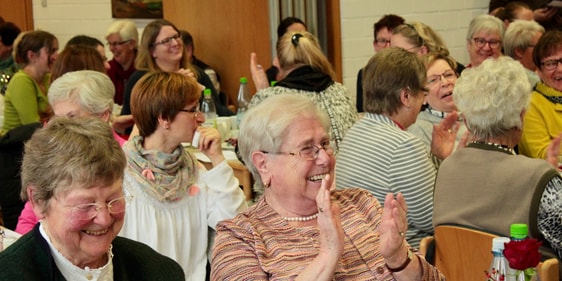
<point x="189" y="73"/>
<point x="444" y="135"/>
<point x="210" y="144"/>
<point x="544" y="14"/>
<point x="329" y="221"/>
<point x="393" y="229"/>
<point x="552" y="152"/>
<point x="122" y="123"/>
<point x="258" y="74"/>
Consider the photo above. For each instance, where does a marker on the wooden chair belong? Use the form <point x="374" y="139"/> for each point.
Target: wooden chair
<point x="463" y="254"/>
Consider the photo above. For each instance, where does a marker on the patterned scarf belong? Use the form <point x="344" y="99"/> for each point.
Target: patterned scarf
<point x="167" y="177"/>
<point x="549" y="93"/>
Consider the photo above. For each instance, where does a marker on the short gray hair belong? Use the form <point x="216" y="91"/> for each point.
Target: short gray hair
<point x="264" y="127"/>
<point x="70" y="153"/>
<point x="93" y="91"/>
<point x="492" y="96"/>
<point x="127" y="30"/>
<point x="485" y="23"/>
<point x="519" y="35"/>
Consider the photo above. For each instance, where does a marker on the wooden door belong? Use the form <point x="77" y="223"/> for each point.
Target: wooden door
<point x="20" y="12"/>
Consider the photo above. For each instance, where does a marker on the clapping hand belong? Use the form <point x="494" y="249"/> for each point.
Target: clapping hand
<point x="444" y="135"/>
<point x="393" y="229"/>
<point x="258" y="74"/>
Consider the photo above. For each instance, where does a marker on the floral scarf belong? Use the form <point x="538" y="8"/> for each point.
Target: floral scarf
<point x="167" y="177"/>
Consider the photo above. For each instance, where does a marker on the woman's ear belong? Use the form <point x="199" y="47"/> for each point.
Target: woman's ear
<point x="405" y="97"/>
<point x="106" y="115"/>
<point x="423" y="50"/>
<point x="38" y="208"/>
<point x="260" y="162"/>
<point x="164" y="123"/>
<point x="518" y="53"/>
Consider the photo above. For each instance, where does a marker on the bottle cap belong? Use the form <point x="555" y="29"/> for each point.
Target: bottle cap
<point x="243" y="80"/>
<point x="272" y="83"/>
<point x="207" y="92"/>
<point x="498" y="244"/>
<point x="519" y="230"/>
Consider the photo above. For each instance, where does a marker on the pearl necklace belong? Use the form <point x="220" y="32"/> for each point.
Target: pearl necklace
<point x="308" y="218"/>
<point x="497" y="145"/>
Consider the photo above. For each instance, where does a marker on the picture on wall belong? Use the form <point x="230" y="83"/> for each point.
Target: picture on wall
<point x="137" y="9"/>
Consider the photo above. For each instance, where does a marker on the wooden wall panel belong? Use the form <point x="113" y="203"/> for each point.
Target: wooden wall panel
<point x="20" y="12"/>
<point x="224" y="34"/>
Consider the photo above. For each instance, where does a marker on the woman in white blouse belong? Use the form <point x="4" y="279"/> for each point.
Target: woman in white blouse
<point x="175" y="199"/>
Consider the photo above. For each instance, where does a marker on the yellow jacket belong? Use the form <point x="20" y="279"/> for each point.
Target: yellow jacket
<point x="542" y="122"/>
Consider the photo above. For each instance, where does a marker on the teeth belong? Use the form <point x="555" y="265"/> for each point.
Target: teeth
<point x="317" y="177"/>
<point x="101" y="232"/>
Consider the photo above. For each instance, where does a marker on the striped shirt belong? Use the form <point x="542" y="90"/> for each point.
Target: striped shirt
<point x="258" y="244"/>
<point x="378" y="156"/>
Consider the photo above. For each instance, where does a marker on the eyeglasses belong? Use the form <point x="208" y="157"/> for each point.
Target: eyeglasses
<point x="447" y="75"/>
<point x="382" y="42"/>
<point x="480" y="42"/>
<point x="113" y="44"/>
<point x="310" y="152"/>
<point x="84" y="212"/>
<point x="551" y="64"/>
<point x="194" y="110"/>
<point x="166" y="41"/>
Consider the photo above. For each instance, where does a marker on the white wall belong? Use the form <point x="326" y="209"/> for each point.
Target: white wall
<point x="67" y="18"/>
<point x="450" y="18"/>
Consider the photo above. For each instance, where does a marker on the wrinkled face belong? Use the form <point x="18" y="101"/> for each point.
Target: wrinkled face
<point x="483" y="45"/>
<point x="383" y="39"/>
<point x="84" y="242"/>
<point x="70" y="108"/>
<point x="441" y="79"/>
<point x="168" y="48"/>
<point x="552" y="77"/>
<point x="293" y="177"/>
<point x="185" y="123"/>
<point x="122" y="51"/>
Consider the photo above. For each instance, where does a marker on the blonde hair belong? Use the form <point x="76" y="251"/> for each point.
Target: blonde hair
<point x="300" y="48"/>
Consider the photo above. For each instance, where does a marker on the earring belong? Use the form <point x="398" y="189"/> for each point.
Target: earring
<point x="266" y="185"/>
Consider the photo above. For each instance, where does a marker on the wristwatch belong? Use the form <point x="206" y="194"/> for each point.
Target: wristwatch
<point x="409" y="257"/>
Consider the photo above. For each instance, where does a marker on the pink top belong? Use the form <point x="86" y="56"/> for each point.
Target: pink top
<point x="28" y="219"/>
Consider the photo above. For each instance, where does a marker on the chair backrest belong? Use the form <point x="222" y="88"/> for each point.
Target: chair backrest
<point x="463" y="254"/>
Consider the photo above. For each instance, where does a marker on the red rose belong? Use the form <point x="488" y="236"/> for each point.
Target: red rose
<point x="522" y="254"/>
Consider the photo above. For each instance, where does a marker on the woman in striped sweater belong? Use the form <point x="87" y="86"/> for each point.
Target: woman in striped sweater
<point x="302" y="228"/>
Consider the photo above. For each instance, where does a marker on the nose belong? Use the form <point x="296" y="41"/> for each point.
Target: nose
<point x="103" y="217"/>
<point x="323" y="157"/>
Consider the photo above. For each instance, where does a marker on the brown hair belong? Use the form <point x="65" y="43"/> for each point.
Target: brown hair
<point x="144" y="60"/>
<point x="33" y="41"/>
<point x="161" y="94"/>
<point x="77" y="57"/>
<point x="389" y="21"/>
<point x="549" y="44"/>
<point x="387" y="73"/>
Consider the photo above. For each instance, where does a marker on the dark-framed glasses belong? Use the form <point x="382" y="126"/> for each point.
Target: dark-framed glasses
<point x="196" y="111"/>
<point x="480" y="42"/>
<point x="381" y="42"/>
<point x="113" y="44"/>
<point x="167" y="41"/>
<point x="551" y="64"/>
<point x="84" y="212"/>
<point x="309" y="152"/>
<point x="435" y="79"/>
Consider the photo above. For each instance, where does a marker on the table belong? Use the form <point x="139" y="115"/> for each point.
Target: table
<point x="9" y="237"/>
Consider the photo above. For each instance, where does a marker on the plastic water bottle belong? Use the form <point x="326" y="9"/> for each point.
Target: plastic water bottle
<point x="499" y="266"/>
<point x="243" y="100"/>
<point x="209" y="110"/>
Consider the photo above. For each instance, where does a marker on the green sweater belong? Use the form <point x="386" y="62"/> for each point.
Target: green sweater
<point x="29" y="258"/>
<point x="23" y="101"/>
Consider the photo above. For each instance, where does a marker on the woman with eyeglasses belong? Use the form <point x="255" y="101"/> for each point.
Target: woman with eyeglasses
<point x="161" y="49"/>
<point x="72" y="172"/>
<point x="438" y="103"/>
<point x="484" y="39"/>
<point x="176" y="199"/>
<point x="378" y="154"/>
<point x="123" y="39"/>
<point x="543" y="118"/>
<point x="303" y="228"/>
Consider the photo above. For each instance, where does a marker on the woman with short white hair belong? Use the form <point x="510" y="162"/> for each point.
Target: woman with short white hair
<point x="520" y="40"/>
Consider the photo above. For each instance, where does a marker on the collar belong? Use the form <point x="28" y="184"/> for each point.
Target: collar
<point x="306" y="78"/>
<point x="549" y="93"/>
<point x="73" y="272"/>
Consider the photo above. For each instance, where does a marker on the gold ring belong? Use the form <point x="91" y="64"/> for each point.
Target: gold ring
<point x="320" y="210"/>
<point x="450" y="131"/>
<point x="401" y="233"/>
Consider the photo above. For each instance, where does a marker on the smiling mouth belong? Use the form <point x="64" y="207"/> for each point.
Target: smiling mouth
<point x="96" y="233"/>
<point x="317" y="178"/>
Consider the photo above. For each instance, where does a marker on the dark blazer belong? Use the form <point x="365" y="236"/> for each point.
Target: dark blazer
<point x="29" y="258"/>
